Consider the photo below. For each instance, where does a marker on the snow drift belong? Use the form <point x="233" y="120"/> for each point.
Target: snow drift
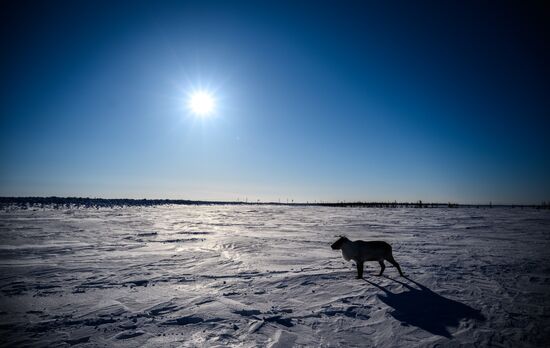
<point x="253" y="276"/>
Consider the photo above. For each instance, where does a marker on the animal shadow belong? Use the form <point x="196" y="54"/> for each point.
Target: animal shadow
<point x="423" y="308"/>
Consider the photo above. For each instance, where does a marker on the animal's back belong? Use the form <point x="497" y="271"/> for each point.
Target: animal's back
<point x="373" y="250"/>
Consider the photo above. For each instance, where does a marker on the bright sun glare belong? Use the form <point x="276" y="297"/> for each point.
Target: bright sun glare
<point x="201" y="103"/>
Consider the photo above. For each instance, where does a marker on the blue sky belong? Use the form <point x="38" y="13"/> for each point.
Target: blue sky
<point x="376" y="101"/>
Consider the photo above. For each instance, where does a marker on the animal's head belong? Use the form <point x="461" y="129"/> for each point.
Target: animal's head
<point x="338" y="244"/>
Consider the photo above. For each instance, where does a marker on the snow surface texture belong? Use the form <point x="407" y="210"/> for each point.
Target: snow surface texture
<point x="265" y="276"/>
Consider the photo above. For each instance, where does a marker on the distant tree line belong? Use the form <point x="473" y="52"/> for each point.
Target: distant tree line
<point x="86" y="202"/>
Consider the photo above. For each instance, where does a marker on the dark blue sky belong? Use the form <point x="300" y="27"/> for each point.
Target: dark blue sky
<point x="438" y="101"/>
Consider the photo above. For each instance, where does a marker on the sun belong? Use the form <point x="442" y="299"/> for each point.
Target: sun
<point x="201" y="103"/>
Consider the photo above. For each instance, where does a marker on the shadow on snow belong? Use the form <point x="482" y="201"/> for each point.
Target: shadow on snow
<point x="423" y="308"/>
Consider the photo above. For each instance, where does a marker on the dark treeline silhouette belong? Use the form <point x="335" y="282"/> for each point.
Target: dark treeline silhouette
<point x="86" y="202"/>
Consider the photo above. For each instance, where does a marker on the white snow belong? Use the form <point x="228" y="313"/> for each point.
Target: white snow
<point x="251" y="276"/>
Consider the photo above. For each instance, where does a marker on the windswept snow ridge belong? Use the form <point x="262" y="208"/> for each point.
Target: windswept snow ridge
<point x="251" y="276"/>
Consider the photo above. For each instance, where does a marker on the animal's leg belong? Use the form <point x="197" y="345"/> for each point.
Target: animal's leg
<point x="395" y="264"/>
<point x="359" y="270"/>
<point x="381" y="262"/>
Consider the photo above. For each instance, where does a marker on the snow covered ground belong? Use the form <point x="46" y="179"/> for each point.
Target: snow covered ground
<point x="265" y="276"/>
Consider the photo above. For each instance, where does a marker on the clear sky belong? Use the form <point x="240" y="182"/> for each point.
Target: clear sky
<point x="372" y="101"/>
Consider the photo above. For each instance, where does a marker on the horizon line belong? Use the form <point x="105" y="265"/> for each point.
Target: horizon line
<point x="161" y="201"/>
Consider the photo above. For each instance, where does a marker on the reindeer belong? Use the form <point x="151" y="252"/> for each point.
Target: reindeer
<point x="361" y="251"/>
